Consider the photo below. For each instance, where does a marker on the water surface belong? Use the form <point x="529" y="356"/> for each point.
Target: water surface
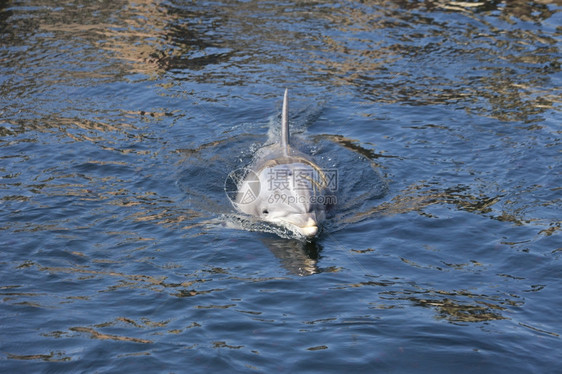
<point x="120" y="122"/>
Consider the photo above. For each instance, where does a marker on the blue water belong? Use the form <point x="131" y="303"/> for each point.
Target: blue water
<point x="120" y="122"/>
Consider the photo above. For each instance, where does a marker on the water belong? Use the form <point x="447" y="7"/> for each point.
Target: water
<point x="120" y="122"/>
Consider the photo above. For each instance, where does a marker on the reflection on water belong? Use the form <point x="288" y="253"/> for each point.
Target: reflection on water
<point x="376" y="47"/>
<point x="417" y="197"/>
<point x="504" y="67"/>
<point x="470" y="307"/>
<point x="297" y="257"/>
<point x="461" y="306"/>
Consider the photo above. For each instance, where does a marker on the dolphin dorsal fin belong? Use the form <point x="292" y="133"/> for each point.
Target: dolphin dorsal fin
<point x="285" y="123"/>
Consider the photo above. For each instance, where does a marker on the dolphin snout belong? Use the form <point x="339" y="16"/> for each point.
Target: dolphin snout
<point x="309" y="231"/>
<point x="306" y="224"/>
<point x="308" y="227"/>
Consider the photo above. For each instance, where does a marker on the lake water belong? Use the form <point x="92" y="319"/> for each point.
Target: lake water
<point x="120" y="122"/>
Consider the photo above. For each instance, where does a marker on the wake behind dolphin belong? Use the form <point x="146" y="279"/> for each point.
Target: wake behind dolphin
<point x="284" y="187"/>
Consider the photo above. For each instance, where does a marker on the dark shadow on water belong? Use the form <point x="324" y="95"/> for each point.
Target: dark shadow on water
<point x="297" y="257"/>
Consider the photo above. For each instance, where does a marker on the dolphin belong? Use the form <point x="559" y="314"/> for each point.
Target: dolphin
<point x="283" y="186"/>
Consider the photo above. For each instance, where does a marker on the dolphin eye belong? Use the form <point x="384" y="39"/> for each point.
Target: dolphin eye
<point x="265" y="211"/>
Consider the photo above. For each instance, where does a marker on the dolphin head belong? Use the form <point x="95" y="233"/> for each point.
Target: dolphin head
<point x="287" y="200"/>
<point x="303" y="219"/>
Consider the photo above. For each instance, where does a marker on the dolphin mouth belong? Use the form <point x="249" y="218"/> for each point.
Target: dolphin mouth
<point x="308" y="231"/>
<point x="309" y="228"/>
